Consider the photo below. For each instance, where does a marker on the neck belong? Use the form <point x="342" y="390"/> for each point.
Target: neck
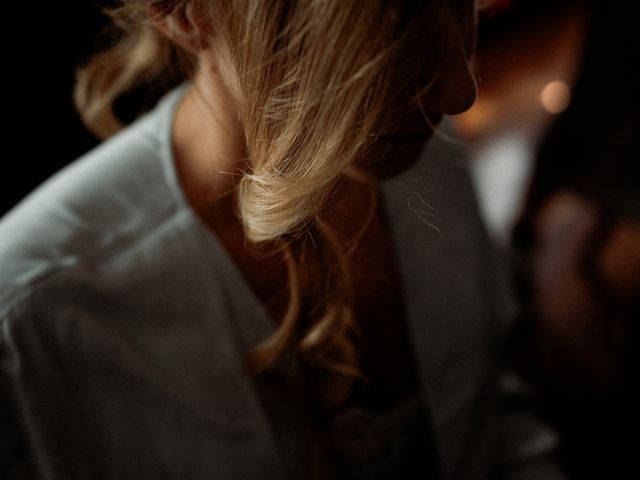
<point x="208" y="140"/>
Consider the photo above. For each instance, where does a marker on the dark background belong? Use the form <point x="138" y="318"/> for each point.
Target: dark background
<point x="45" y="44"/>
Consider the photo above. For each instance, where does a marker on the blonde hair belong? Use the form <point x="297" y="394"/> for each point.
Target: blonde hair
<point x="315" y="80"/>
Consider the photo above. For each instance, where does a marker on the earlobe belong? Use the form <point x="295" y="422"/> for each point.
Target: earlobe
<point x="181" y="26"/>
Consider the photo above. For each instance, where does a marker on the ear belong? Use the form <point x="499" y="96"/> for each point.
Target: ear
<point x="181" y="25"/>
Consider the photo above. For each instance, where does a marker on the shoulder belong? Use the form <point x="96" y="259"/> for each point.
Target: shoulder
<point x="112" y="196"/>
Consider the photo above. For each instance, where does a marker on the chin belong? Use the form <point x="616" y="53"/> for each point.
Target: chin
<point x="394" y="157"/>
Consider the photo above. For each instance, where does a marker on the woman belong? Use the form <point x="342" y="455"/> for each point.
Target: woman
<point x="214" y="291"/>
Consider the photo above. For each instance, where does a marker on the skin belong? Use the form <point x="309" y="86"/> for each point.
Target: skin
<point x="206" y="144"/>
<point x="207" y="147"/>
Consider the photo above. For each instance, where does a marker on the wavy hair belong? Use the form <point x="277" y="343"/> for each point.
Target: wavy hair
<point x="317" y="81"/>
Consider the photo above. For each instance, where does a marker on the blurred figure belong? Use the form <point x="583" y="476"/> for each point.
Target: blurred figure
<point x="554" y="136"/>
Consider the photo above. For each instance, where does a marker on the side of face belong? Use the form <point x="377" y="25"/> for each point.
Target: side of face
<point x="437" y="67"/>
<point x="448" y="87"/>
<point x="455" y="89"/>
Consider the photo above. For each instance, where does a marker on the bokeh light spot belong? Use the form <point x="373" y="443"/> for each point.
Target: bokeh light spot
<point x="555" y="97"/>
